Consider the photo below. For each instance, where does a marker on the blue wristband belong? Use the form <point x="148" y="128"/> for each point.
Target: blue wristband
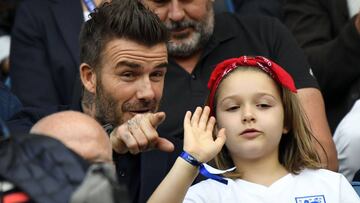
<point x="190" y="159"/>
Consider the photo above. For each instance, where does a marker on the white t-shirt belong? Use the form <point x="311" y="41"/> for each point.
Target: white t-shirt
<point x="347" y="142"/>
<point x="353" y="6"/>
<point x="4" y="47"/>
<point x="310" y="186"/>
<point x="86" y="15"/>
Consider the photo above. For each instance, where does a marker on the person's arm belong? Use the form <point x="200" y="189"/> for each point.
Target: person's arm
<point x="176" y="183"/>
<point x="139" y="134"/>
<point x="259" y="7"/>
<point x="199" y="143"/>
<point x="333" y="54"/>
<point x="313" y="105"/>
<point x="30" y="70"/>
<point x="291" y="57"/>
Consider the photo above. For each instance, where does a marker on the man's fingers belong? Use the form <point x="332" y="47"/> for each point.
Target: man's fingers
<point x="148" y="130"/>
<point x="138" y="134"/>
<point x="117" y="144"/>
<point x="131" y="143"/>
<point x="157" y="118"/>
<point x="164" y="145"/>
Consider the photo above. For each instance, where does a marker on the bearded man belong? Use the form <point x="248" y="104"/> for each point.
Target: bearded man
<point x="123" y="58"/>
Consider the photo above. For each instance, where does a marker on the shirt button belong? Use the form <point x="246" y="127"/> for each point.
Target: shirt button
<point x="122" y="173"/>
<point x="193" y="77"/>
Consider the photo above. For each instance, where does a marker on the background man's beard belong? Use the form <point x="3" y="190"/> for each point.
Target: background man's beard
<point x="203" y="30"/>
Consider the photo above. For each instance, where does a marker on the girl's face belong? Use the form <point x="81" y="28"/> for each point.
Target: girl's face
<point x="249" y="107"/>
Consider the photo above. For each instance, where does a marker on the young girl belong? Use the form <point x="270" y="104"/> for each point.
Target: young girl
<point x="267" y="139"/>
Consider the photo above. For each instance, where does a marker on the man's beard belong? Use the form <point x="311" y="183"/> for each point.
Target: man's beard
<point x="109" y="111"/>
<point x="203" y="30"/>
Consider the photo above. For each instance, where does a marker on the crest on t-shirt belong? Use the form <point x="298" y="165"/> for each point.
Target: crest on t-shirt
<point x="311" y="199"/>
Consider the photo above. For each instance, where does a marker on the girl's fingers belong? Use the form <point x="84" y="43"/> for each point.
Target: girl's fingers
<point x="220" y="139"/>
<point x="204" y="118"/>
<point x="196" y="116"/>
<point x="210" y="124"/>
<point x="187" y="118"/>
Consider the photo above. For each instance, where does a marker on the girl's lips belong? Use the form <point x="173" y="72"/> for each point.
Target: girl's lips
<point x="250" y="133"/>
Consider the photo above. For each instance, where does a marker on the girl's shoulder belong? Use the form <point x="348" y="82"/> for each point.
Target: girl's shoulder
<point x="321" y="172"/>
<point x="319" y="175"/>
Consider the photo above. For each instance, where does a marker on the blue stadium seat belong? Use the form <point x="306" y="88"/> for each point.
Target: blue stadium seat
<point x="356" y="186"/>
<point x="224" y="6"/>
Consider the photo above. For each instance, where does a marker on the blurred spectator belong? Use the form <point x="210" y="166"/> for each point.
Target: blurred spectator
<point x="9" y="103"/>
<point x="44" y="51"/>
<point x="357" y="176"/>
<point x="347" y="140"/>
<point x="79" y="132"/>
<point x="329" y="32"/>
<point x="259" y="7"/>
<point x="7" y="14"/>
<point x="42" y="168"/>
<point x="39" y="168"/>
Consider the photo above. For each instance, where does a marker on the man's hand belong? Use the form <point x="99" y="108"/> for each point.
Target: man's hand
<point x="4" y="66"/>
<point x="139" y="134"/>
<point x="198" y="139"/>
<point x="357" y="23"/>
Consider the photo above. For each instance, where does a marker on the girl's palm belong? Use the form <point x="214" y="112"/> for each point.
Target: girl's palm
<point x="198" y="139"/>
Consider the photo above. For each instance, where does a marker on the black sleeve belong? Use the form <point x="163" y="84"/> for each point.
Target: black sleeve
<point x="334" y="57"/>
<point x="258" y="7"/>
<point x="29" y="67"/>
<point x="23" y="120"/>
<point x="289" y="55"/>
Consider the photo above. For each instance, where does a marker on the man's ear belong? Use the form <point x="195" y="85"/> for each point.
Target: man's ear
<point x="88" y="77"/>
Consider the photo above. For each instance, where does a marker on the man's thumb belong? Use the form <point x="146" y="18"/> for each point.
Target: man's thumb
<point x="157" y="118"/>
<point x="164" y="145"/>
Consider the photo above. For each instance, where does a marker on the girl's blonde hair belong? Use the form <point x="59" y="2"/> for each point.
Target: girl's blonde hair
<point x="296" y="148"/>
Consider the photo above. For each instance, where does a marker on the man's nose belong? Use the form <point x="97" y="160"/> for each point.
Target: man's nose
<point x="176" y="11"/>
<point x="145" y="89"/>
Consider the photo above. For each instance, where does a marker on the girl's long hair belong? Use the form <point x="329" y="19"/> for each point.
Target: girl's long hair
<point x="297" y="147"/>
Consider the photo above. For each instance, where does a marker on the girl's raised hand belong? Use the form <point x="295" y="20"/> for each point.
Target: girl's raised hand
<point x="198" y="139"/>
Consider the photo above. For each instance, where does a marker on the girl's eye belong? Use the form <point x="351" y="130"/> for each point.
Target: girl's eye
<point x="233" y="108"/>
<point x="263" y="105"/>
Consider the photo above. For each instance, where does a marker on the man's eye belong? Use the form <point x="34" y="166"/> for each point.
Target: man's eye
<point x="160" y="1"/>
<point x="128" y="76"/>
<point x="158" y="75"/>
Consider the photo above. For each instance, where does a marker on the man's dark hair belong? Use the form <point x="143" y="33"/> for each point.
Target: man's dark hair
<point x="127" y="19"/>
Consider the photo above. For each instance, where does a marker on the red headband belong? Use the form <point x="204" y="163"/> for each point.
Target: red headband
<point x="222" y="69"/>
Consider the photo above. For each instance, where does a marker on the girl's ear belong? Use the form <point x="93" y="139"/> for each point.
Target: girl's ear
<point x="88" y="77"/>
